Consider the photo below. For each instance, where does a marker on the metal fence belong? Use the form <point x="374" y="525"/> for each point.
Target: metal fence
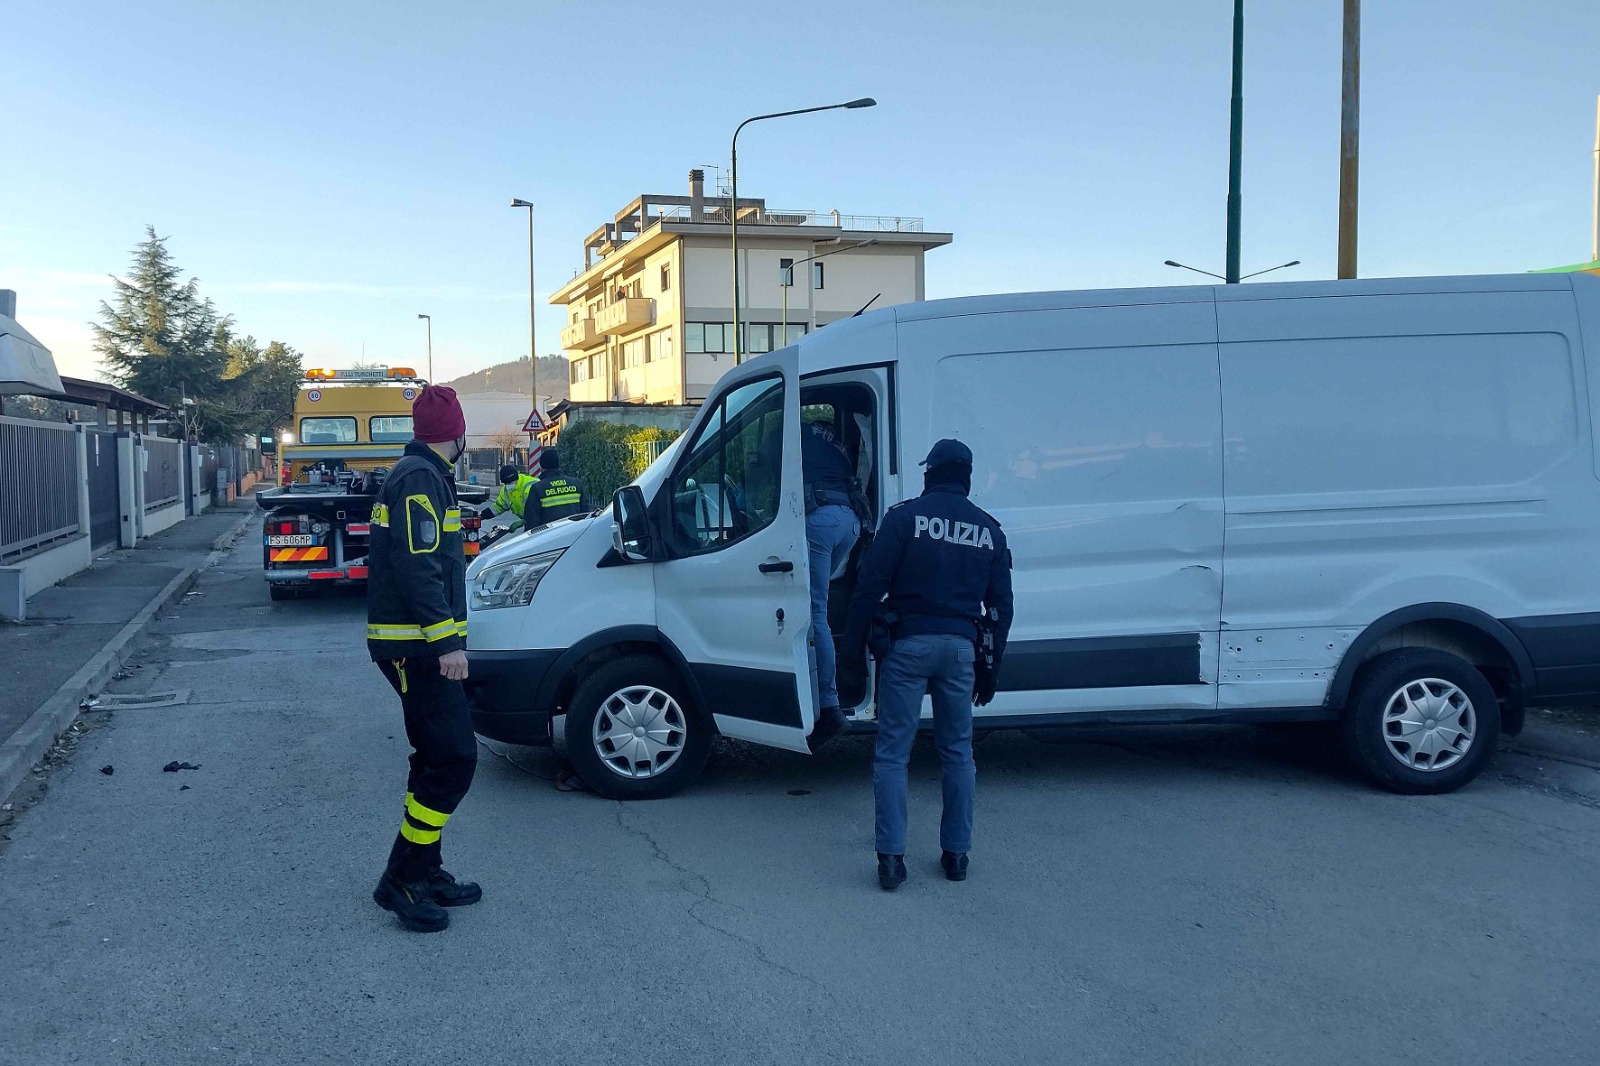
<point x="163" y="475"/>
<point x="38" y="484"/>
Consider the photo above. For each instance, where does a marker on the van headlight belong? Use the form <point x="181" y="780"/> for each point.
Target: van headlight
<point x="511" y="584"/>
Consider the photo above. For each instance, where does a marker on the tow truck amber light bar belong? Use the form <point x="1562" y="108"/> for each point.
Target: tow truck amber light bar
<point x="368" y="373"/>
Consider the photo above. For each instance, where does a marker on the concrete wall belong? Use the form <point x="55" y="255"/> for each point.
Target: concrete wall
<point x="164" y="518"/>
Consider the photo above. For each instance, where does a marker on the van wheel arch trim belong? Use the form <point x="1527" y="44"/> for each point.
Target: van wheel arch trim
<point x="567" y="664"/>
<point x="1498" y="631"/>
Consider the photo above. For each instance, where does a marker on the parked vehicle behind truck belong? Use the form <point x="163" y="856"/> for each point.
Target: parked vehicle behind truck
<point x="349" y="428"/>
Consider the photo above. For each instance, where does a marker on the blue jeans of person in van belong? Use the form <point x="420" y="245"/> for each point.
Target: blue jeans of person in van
<point x="831" y="531"/>
<point x="938" y="665"/>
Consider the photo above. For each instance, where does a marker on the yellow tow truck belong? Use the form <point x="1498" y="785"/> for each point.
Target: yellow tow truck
<point x="349" y="428"/>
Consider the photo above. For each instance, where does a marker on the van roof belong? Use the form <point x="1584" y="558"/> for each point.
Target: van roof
<point x="1179" y="294"/>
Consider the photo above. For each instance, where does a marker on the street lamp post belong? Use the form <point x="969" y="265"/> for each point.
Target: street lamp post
<point x="786" y="277"/>
<point x="430" y="346"/>
<point x="533" y="342"/>
<point x="1235" y="145"/>
<point x="733" y="197"/>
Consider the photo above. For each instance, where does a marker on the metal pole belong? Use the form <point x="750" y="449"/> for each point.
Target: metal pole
<point x="430" y="349"/>
<point x="1235" y="144"/>
<point x="1350" y="139"/>
<point x="1594" y="249"/>
<point x="783" y="277"/>
<point x="533" y="337"/>
<point x="733" y="222"/>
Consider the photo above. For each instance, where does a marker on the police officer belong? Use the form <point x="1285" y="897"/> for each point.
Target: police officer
<point x="832" y="529"/>
<point x="555" y="495"/>
<point x="417" y="634"/>
<point x="942" y="563"/>
<point x="513" y="495"/>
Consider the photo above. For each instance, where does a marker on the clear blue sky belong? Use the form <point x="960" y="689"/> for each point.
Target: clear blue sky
<point x="330" y="170"/>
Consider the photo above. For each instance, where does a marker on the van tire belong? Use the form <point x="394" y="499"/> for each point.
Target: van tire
<point x="1367" y="737"/>
<point x="607" y="695"/>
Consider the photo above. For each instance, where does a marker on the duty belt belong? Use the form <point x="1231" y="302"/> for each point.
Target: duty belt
<point x="826" y="498"/>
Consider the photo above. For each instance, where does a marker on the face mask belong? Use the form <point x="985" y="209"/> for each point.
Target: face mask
<point x="461" y="449"/>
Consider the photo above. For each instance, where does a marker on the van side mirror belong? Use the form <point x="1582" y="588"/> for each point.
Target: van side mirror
<point x="630" y="525"/>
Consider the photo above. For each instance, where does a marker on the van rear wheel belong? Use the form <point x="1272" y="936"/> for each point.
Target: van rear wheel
<point x="632" y="733"/>
<point x="1421" y="721"/>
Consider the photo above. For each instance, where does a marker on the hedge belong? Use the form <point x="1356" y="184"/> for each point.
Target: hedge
<point x="603" y="456"/>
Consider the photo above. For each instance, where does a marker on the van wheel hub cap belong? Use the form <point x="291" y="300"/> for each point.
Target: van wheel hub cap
<point x="1429" y="724"/>
<point x="639" y="732"/>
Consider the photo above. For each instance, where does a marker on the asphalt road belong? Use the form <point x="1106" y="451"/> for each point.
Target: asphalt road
<point x="1138" y="896"/>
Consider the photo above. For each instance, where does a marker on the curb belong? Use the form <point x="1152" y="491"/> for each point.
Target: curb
<point x="28" y="744"/>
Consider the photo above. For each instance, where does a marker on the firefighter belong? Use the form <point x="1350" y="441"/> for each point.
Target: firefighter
<point x="512" y="497"/>
<point x="555" y="495"/>
<point x="417" y="634"/>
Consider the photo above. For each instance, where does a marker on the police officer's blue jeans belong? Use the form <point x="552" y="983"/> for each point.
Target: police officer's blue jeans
<point x="831" y="531"/>
<point x="940" y="666"/>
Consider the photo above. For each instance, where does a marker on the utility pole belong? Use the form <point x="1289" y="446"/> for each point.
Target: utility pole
<point x="1235" y="144"/>
<point x="1594" y="249"/>
<point x="1350" y="138"/>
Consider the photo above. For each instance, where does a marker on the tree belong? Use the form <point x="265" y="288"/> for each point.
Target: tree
<point x="508" y="440"/>
<point x="159" y="337"/>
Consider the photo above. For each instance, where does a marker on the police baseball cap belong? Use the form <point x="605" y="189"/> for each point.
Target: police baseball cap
<point x="508" y="474"/>
<point x="948" y="451"/>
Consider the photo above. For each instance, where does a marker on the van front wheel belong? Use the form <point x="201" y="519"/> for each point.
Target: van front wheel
<point x="1421" y="721"/>
<point x="632" y="733"/>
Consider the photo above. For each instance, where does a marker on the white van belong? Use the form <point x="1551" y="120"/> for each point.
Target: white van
<point x="1369" y="502"/>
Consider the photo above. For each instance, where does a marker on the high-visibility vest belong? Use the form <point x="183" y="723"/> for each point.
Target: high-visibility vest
<point x="514" y="497"/>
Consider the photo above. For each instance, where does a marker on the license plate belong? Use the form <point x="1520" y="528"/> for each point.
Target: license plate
<point x="292" y="540"/>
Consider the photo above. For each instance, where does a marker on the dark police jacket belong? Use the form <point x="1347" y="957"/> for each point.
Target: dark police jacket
<point x="941" y="560"/>
<point x="417" y="572"/>
<point x="551" y="498"/>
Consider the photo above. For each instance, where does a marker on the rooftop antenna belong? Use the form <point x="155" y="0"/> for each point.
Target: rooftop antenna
<point x="723" y="187"/>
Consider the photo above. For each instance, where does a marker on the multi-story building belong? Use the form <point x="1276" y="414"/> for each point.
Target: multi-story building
<point x="650" y="315"/>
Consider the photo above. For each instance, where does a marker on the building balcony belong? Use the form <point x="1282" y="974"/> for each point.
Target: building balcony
<point x="580" y="335"/>
<point x="625" y="316"/>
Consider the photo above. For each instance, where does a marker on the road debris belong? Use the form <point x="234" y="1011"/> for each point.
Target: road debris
<point x="174" y="766"/>
<point x="108" y="770"/>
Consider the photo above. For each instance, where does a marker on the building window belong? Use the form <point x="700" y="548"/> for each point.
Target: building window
<point x="666" y="278"/>
<point x="786" y="273"/>
<point x="633" y="353"/>
<point x="660" y="346"/>
<point x="816" y="275"/>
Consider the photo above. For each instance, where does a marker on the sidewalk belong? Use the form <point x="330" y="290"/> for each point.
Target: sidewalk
<point x="70" y="623"/>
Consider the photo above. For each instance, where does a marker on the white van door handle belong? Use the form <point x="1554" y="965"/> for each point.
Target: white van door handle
<point x="777" y="566"/>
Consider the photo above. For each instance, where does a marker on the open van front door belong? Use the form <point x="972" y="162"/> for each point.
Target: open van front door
<point x="731" y="588"/>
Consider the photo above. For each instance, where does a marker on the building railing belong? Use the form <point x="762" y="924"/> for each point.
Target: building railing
<point x="750" y="216"/>
<point x="163" y="473"/>
<point x="38" y="484"/>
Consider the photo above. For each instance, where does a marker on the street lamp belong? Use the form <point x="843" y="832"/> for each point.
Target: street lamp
<point x="733" y="195"/>
<point x="533" y="343"/>
<point x="1219" y="277"/>
<point x="786" y="276"/>
<point x="430" y="346"/>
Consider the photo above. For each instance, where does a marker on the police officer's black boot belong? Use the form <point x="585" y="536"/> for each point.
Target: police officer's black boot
<point x="955" y="865"/>
<point x="407" y="892"/>
<point x="830" y="720"/>
<point x="891" y="871"/>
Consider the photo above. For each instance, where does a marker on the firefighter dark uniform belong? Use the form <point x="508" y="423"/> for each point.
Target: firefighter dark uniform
<point x="416" y="614"/>
<point x="937" y="574"/>
<point x="554" y="496"/>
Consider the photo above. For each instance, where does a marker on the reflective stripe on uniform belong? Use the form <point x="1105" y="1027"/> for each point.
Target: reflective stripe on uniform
<point x="425" y="522"/>
<point x="438" y="631"/>
<point x="418" y="836"/>
<point x="452" y="520"/>
<point x="425" y="815"/>
<point x="380" y="514"/>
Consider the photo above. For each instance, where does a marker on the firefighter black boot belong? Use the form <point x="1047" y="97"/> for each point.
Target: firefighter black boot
<point x="446" y="891"/>
<point x="412" y="903"/>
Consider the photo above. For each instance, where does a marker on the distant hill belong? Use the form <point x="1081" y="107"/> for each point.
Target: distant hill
<point x="513" y="377"/>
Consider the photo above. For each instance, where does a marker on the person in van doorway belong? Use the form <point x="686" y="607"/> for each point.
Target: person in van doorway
<point x="555" y="495"/>
<point x="832" y="529"/>
<point x="945" y="569"/>
<point x="417" y="634"/>
<point x="513" y="495"/>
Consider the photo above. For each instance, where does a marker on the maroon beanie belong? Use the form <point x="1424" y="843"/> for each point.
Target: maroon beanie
<point x="436" y="415"/>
